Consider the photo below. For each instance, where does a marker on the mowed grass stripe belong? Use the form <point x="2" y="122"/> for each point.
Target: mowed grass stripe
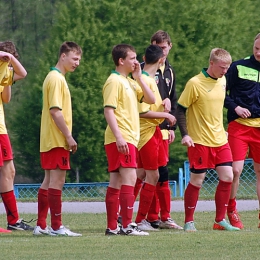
<point x="166" y="244"/>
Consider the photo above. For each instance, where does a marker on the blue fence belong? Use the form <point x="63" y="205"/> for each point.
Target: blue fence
<point x="247" y="187"/>
<point x="97" y="190"/>
<point x="91" y="190"/>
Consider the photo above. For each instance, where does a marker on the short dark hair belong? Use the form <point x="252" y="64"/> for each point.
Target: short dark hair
<point x="8" y="46"/>
<point x="66" y="47"/>
<point x="160" y="37"/>
<point x="120" y="51"/>
<point x="152" y="54"/>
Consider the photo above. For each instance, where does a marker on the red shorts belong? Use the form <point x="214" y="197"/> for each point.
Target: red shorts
<point x="1" y="158"/>
<point x="152" y="155"/>
<point x="116" y="159"/>
<point x="6" y="148"/>
<point x="203" y="157"/>
<point x="55" y="158"/>
<point x="241" y="138"/>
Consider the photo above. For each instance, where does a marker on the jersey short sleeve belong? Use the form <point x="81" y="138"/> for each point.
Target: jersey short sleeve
<point x="56" y="94"/>
<point x="55" y="89"/>
<point x="121" y="93"/>
<point x="111" y="93"/>
<point x="190" y="94"/>
<point x="6" y="75"/>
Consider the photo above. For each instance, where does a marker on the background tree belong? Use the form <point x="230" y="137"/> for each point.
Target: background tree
<point x="195" y="27"/>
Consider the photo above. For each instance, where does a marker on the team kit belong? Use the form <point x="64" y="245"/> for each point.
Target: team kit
<point x="142" y="113"/>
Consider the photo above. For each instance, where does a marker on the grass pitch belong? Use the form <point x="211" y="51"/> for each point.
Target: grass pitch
<point x="164" y="244"/>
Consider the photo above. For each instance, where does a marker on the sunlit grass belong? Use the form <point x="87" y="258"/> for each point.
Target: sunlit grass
<point x="165" y="244"/>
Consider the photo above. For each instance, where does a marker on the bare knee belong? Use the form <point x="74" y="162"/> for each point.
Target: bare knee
<point x="140" y="173"/>
<point x="152" y="177"/>
<point x="7" y="176"/>
<point x="236" y="174"/>
<point x="197" y="179"/>
<point x="237" y="169"/>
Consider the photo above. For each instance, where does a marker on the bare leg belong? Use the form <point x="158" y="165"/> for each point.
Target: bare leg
<point x="257" y="172"/>
<point x="232" y="213"/>
<point x="237" y="170"/>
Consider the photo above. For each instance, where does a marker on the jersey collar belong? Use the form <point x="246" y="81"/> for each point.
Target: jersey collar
<point x="54" y="68"/>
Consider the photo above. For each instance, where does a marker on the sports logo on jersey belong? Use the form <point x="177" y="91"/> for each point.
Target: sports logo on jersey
<point x="156" y="78"/>
<point x="167" y="82"/>
<point x="132" y="86"/>
<point x="224" y="87"/>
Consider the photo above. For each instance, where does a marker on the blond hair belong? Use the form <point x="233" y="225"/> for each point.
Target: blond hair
<point x="257" y="36"/>
<point x="218" y="54"/>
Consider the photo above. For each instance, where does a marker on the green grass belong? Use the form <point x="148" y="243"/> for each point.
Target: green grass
<point x="165" y="244"/>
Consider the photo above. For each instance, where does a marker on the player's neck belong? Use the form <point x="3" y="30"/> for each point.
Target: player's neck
<point x="151" y="69"/>
<point x="61" y="68"/>
<point x="122" y="71"/>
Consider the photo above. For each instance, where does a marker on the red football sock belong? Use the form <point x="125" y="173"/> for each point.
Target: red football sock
<point x="146" y="197"/>
<point x="126" y="199"/>
<point x="54" y="199"/>
<point x="164" y="195"/>
<point x="9" y="201"/>
<point x="221" y="199"/>
<point x="43" y="207"/>
<point x="232" y="204"/>
<point x="138" y="186"/>
<point x="112" y="207"/>
<point x="153" y="213"/>
<point x="191" y="197"/>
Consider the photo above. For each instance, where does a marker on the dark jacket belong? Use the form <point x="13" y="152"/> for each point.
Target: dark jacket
<point x="166" y="83"/>
<point x="243" y="87"/>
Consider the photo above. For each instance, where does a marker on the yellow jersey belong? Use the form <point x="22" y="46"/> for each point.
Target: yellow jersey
<point x="148" y="125"/>
<point x="56" y="94"/>
<point x="6" y="79"/>
<point x="122" y="94"/>
<point x="6" y="75"/>
<point x="204" y="97"/>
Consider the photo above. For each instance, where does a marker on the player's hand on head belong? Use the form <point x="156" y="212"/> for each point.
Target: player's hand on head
<point x="5" y="56"/>
<point x="137" y="72"/>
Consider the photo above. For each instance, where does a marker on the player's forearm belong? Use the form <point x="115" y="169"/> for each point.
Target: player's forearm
<point x="153" y="114"/>
<point x="60" y="122"/>
<point x="112" y="122"/>
<point x="229" y="103"/>
<point x="181" y="120"/>
<point x="149" y="97"/>
<point x="6" y="94"/>
<point x="19" y="70"/>
<point x="174" y="104"/>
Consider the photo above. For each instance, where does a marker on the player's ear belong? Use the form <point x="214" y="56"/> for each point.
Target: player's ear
<point x="63" y="55"/>
<point x="144" y="58"/>
<point x="121" y="61"/>
<point x="161" y="61"/>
